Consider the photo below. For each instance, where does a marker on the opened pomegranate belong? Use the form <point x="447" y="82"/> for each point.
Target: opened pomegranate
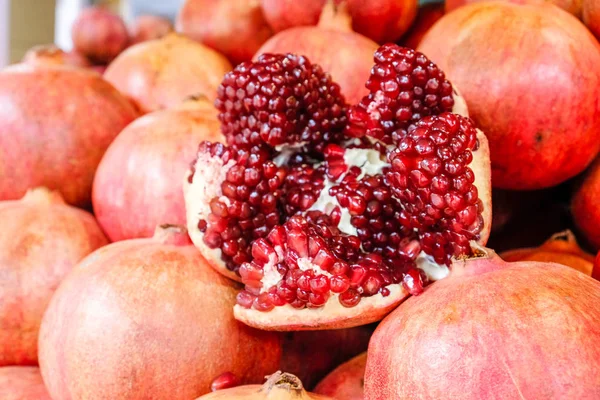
<point x="584" y="205"/>
<point x="41" y="240"/>
<point x="22" y="383"/>
<point x="139" y="181"/>
<point x="380" y="20"/>
<point x="561" y="248"/>
<point x="50" y="54"/>
<point x="346" y="381"/>
<point x="148" y="311"/>
<point x="531" y="147"/>
<point x="235" y="28"/>
<point x="339" y="242"/>
<point x="279" y="386"/>
<point x="427" y="15"/>
<point x="591" y="16"/>
<point x="162" y="73"/>
<point x="572" y="6"/>
<point x="149" y="27"/>
<point x="491" y="330"/>
<point x="349" y="64"/>
<point x="56" y="137"/>
<point x="99" y="34"/>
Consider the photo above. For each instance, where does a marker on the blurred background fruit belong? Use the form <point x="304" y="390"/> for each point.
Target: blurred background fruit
<point x="22" y="383"/>
<point x="52" y="55"/>
<point x="346" y="381"/>
<point x="427" y="15"/>
<point x="149" y="27"/>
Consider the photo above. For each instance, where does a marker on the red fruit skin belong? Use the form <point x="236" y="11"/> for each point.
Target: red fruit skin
<point x="22" y="383"/>
<point x="55" y="125"/>
<point x="585" y="207"/>
<point x="591" y="16"/>
<point x="346" y="381"/>
<point x="41" y="240"/>
<point x="285" y="14"/>
<point x="99" y="34"/>
<point x="235" y="28"/>
<point x="493" y="330"/>
<point x="139" y="182"/>
<point x="427" y="16"/>
<point x="572" y="6"/>
<point x="540" y="134"/>
<point x="52" y="55"/>
<point x="159" y="74"/>
<point x="596" y="270"/>
<point x="153" y="313"/>
<point x="149" y="27"/>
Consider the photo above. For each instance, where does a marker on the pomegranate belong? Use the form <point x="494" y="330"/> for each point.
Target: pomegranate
<point x="41" y="240"/>
<point x="346" y="381"/>
<point x="22" y="383"/>
<point x="571" y="6"/>
<point x="491" y="330"/>
<point x="427" y="15"/>
<point x="351" y="61"/>
<point x="139" y="181"/>
<point x="50" y="54"/>
<point x="339" y="242"/>
<point x="55" y="125"/>
<point x="533" y="44"/>
<point x="235" y="28"/>
<point x="584" y="205"/>
<point x="279" y="386"/>
<point x="148" y="311"/>
<point x="380" y="20"/>
<point x="591" y="16"/>
<point x="99" y="34"/>
<point x="149" y="27"/>
<point x="161" y="73"/>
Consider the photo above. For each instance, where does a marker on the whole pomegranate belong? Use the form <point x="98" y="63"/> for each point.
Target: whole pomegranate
<point x="571" y="6"/>
<point x="427" y="15"/>
<point x="584" y="205"/>
<point x="139" y="181"/>
<point x="41" y="240"/>
<point x="346" y="381"/>
<point x="591" y="16"/>
<point x="380" y="20"/>
<point x="149" y="312"/>
<point x="279" y="386"/>
<point x="561" y="248"/>
<point x="162" y="73"/>
<point x="491" y="329"/>
<point x="235" y="28"/>
<point x="55" y="125"/>
<point x="149" y="27"/>
<point x="331" y="222"/>
<point x="349" y="64"/>
<point x="99" y="34"/>
<point x="540" y="134"/>
<point x="50" y="54"/>
<point x="22" y="383"/>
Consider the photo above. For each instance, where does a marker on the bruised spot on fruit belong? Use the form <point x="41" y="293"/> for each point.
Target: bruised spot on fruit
<point x="539" y="137"/>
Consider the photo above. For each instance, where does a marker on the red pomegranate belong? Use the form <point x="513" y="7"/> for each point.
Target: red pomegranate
<point x="235" y="28"/>
<point x="329" y="222"/>
<point x="99" y="34"/>
<point x="491" y="330"/>
<point x="149" y="312"/>
<point x="139" y="181"/>
<point x="584" y="205"/>
<point x="531" y="146"/>
<point x="149" y="27"/>
<point x="427" y="15"/>
<point x="591" y="16"/>
<point x="279" y="386"/>
<point x="50" y="54"/>
<point x="22" y="383"/>
<point x="162" y="73"/>
<point x="349" y="64"/>
<point x="571" y="6"/>
<point x="41" y="240"/>
<point x="380" y="20"/>
<point x="346" y="381"/>
<point x="55" y="125"/>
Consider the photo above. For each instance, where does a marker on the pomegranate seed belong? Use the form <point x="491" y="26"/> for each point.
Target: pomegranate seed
<point x="224" y="381"/>
<point x="349" y="298"/>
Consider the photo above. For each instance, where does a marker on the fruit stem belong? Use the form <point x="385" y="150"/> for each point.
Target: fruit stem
<point x="336" y="17"/>
<point x="283" y="385"/>
<point x="486" y="260"/>
<point x="172" y="234"/>
<point x="43" y="196"/>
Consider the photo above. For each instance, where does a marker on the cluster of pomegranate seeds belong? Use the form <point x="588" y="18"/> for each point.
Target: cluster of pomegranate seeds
<point x="430" y="176"/>
<point x="404" y="87"/>
<point x="249" y="206"/>
<point x="303" y="185"/>
<point x="280" y="99"/>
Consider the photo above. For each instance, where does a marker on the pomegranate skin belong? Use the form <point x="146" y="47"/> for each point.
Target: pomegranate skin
<point x="22" y="383"/>
<point x="346" y="381"/>
<point x="99" y="34"/>
<point x="235" y="28"/>
<point x="285" y="14"/>
<point x="531" y="147"/>
<point x="591" y="16"/>
<point x="162" y="73"/>
<point x="572" y="6"/>
<point x="427" y="16"/>
<point x="149" y="311"/>
<point x="139" y="182"/>
<point x="56" y="124"/>
<point x="52" y="55"/>
<point x="584" y="205"/>
<point x="149" y="27"/>
<point x="492" y="330"/>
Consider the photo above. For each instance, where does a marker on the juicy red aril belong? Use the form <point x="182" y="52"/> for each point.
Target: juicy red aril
<point x="404" y="87"/>
<point x="303" y="185"/>
<point x="280" y="99"/>
<point x="224" y="381"/>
